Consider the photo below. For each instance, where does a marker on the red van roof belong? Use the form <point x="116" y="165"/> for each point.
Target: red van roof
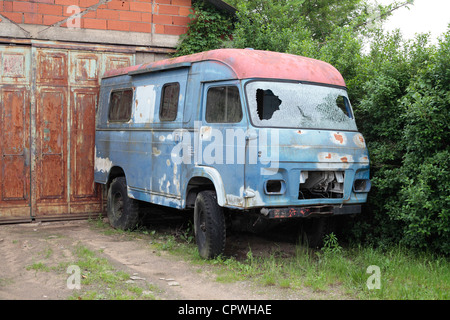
<point x="248" y="63"/>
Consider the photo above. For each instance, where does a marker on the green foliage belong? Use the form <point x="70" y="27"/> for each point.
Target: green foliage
<point x="405" y="119"/>
<point x="209" y="29"/>
<point x="424" y="195"/>
<point x="331" y="245"/>
<point x="269" y="25"/>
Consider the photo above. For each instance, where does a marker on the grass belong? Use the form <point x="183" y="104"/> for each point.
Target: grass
<point x="101" y="281"/>
<point x="5" y="282"/>
<point x="404" y="274"/>
<point x="38" y="266"/>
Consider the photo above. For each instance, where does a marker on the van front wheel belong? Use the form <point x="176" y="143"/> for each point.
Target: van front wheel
<point x="122" y="211"/>
<point x="315" y="229"/>
<point x="209" y="225"/>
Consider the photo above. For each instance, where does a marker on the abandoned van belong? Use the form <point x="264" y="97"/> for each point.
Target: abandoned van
<point x="253" y="134"/>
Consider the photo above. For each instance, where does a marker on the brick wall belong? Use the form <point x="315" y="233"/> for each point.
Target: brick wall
<point x="147" y="16"/>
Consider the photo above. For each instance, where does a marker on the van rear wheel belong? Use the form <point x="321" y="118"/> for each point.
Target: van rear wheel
<point x="209" y="225"/>
<point x="122" y="211"/>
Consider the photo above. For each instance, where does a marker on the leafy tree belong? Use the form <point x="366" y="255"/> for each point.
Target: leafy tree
<point x="270" y="25"/>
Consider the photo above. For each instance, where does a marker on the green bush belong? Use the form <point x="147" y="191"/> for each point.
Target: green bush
<point x="424" y="195"/>
<point x="405" y="118"/>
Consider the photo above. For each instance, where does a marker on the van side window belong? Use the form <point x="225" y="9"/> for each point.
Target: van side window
<point x="169" y="102"/>
<point x="223" y="105"/>
<point x="120" y="105"/>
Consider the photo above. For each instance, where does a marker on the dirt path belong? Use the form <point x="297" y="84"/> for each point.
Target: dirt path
<point x="22" y="245"/>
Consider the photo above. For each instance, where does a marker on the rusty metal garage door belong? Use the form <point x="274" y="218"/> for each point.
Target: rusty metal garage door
<point x="48" y="99"/>
<point x="15" y="85"/>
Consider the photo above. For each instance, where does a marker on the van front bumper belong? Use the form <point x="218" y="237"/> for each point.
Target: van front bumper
<point x="303" y="212"/>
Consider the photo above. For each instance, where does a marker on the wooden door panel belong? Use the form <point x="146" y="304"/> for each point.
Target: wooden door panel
<point x="82" y="142"/>
<point x="14" y="154"/>
<point x="51" y="145"/>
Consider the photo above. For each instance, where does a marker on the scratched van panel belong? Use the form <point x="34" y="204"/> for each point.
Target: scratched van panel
<point x="310" y="151"/>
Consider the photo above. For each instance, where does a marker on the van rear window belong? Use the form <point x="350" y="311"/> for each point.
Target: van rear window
<point x="120" y="105"/>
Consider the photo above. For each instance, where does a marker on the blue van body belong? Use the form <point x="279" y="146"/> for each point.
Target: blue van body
<point x="169" y="146"/>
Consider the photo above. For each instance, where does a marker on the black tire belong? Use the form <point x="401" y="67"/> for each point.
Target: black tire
<point x="315" y="229"/>
<point x="122" y="211"/>
<point x="209" y="225"/>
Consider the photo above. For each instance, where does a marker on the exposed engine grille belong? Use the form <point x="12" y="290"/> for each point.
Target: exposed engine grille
<point x="321" y="184"/>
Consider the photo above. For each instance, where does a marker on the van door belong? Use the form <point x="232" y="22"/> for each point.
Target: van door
<point x="166" y="184"/>
<point x="222" y="137"/>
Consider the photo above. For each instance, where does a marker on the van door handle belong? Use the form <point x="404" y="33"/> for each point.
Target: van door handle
<point x="251" y="135"/>
<point x="177" y="136"/>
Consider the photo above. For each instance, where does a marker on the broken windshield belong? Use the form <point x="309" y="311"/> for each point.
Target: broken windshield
<point x="297" y="105"/>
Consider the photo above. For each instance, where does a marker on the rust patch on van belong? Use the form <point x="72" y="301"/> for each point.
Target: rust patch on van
<point x="344" y="159"/>
<point x="156" y="152"/>
<point x="339" y="138"/>
<point x="358" y="139"/>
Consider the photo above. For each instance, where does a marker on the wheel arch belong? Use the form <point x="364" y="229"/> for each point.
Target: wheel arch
<point x="115" y="172"/>
<point x="205" y="178"/>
